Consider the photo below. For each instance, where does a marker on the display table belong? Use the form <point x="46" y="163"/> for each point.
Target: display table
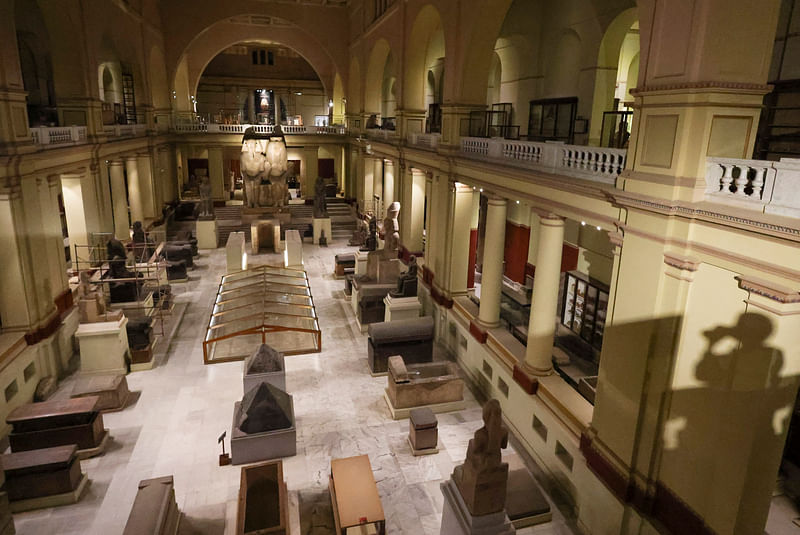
<point x="111" y="390"/>
<point x="41" y="478"/>
<point x="207" y="235"/>
<point x="154" y="510"/>
<point x="321" y="224"/>
<point x="235" y="254"/>
<point x="57" y="423"/>
<point x="401" y="308"/>
<point x="103" y="346"/>
<point x="355" y="497"/>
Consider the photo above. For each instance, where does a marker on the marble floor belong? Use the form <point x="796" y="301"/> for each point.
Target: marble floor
<point x="183" y="406"/>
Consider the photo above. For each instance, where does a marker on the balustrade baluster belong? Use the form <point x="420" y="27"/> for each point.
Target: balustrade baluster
<point x="758" y="182"/>
<point x="741" y="182"/>
<point x="727" y="178"/>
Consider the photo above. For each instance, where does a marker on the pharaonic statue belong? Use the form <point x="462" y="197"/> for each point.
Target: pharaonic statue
<point x="253" y="163"/>
<point x="320" y="203"/>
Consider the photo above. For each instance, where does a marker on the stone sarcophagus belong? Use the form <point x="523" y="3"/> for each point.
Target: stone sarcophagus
<point x="265" y="365"/>
<point x="43" y="477"/>
<point x="416" y="385"/>
<point x="263" y="500"/>
<point x="154" y="511"/>
<point x="411" y="339"/>
<point x="263" y="426"/>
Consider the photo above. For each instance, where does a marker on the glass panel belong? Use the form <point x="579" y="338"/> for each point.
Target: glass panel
<point x="580" y="295"/>
<point x="564" y="120"/>
<point x="569" y="303"/>
<point x="548" y="119"/>
<point x="602" y="307"/>
<point x="588" y="313"/>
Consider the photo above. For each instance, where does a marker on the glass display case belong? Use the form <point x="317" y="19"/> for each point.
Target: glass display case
<point x="262" y="305"/>
<point x="584" y="308"/>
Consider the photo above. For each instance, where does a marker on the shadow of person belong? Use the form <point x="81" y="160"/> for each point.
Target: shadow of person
<point x="723" y="441"/>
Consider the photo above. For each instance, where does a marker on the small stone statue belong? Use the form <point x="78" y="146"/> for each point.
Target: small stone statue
<point x="141" y="247"/>
<point x="91" y="304"/>
<point x="482" y="478"/>
<point x="323" y="241"/>
<point x="359" y="234"/>
<point x="407" y="282"/>
<point x="320" y="203"/>
<point x="206" y="204"/>
<point x="114" y="248"/>
<point x="371" y="243"/>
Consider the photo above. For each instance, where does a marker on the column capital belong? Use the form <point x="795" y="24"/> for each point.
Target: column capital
<point x="116" y="162"/>
<point x="495" y="200"/>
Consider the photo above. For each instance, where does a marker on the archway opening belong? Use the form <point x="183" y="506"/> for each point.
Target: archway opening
<point x="33" y="43"/>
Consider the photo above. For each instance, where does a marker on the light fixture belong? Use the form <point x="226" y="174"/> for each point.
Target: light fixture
<point x="330" y="103"/>
<point x="298" y="93"/>
<point x="481" y="190"/>
<point x="517" y="202"/>
<point x="598" y="228"/>
<point x="583" y="223"/>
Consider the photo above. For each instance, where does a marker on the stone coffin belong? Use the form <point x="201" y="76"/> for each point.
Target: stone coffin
<point x="343" y="263"/>
<point x="263" y="426"/>
<point x="43" y="478"/>
<point x="111" y="391"/>
<point x="57" y="423"/>
<point x="263" y="500"/>
<point x="411" y="339"/>
<point x="417" y="385"/>
<point x="265" y="365"/>
<point x="423" y="430"/>
<point x="154" y="510"/>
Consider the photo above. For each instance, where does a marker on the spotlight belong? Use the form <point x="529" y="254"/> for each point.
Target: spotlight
<point x="598" y="228"/>
<point x="583" y="223"/>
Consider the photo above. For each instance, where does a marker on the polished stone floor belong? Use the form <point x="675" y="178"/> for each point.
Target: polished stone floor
<point x="183" y="406"/>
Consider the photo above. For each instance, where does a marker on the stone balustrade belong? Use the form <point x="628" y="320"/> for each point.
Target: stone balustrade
<point x="424" y="141"/>
<point x="380" y="134"/>
<point x="213" y="128"/>
<point x="598" y="164"/>
<point x="766" y="186"/>
<point x="58" y="135"/>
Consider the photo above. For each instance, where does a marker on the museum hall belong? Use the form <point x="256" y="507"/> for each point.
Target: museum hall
<point x="404" y="267"/>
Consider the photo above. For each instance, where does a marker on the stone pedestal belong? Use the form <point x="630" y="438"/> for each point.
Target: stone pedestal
<point x="457" y="520"/>
<point x="265" y="234"/>
<point x="206" y="231"/>
<point x="234" y="252"/>
<point x="103" y="346"/>
<point x="361" y="262"/>
<point x="401" y="308"/>
<point x="321" y="224"/>
<point x="293" y="254"/>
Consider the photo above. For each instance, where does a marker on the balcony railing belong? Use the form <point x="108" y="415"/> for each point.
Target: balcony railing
<point x="58" y="135"/>
<point x="769" y="187"/>
<point x="598" y="164"/>
<point x="424" y="141"/>
<point x="379" y="134"/>
<point x="212" y="128"/>
<point x="124" y="130"/>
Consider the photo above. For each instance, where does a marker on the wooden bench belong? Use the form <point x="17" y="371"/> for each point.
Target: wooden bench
<point x="58" y="423"/>
<point x="154" y="511"/>
<point x="355" y="498"/>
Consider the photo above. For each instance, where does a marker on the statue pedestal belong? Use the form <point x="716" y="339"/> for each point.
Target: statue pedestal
<point x="206" y="231"/>
<point x="265" y="212"/>
<point x="401" y="308"/>
<point x="320" y="224"/>
<point x="265" y="234"/>
<point x="457" y="520"/>
<point x="234" y="252"/>
<point x="361" y="262"/>
<point x="103" y="346"/>
<point x="293" y="254"/>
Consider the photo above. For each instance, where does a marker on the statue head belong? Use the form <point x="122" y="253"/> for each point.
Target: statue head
<point x="393" y="210"/>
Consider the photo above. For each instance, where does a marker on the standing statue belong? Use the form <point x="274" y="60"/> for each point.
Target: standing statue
<point x="391" y="231"/>
<point x="482" y="478"/>
<point x="253" y="163"/>
<point x="206" y="204"/>
<point x="371" y="243"/>
<point x="320" y="203"/>
<point x="277" y="168"/>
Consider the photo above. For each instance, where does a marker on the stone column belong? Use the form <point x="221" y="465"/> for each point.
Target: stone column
<point x="13" y="108"/>
<point x="51" y="222"/>
<point x="542" y="324"/>
<point x="452" y="118"/>
<point x="388" y="182"/>
<point x="310" y="171"/>
<point x="377" y="184"/>
<point x="413" y="211"/>
<point x="77" y="231"/>
<point x="454" y="278"/>
<point x="366" y="183"/>
<point x="215" y="173"/>
<point x="428" y="189"/>
<point x="146" y="186"/>
<point x="119" y="199"/>
<point x="492" y="276"/>
<point x="409" y="122"/>
<point x="135" y="193"/>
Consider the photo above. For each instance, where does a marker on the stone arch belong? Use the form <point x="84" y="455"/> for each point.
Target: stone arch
<point x="159" y="88"/>
<point x="181" y="97"/>
<point x="608" y="58"/>
<point x="354" y="101"/>
<point x="373" y="81"/>
<point x="427" y="33"/>
<point x="36" y="63"/>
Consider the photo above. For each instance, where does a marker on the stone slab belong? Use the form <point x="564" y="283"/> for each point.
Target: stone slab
<point x="206" y="232"/>
<point x="426" y="451"/>
<point x="400" y="414"/>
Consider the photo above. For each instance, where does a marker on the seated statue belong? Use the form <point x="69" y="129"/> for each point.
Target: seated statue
<point x="360" y="234"/>
<point x="371" y="242"/>
<point x="407" y="282"/>
<point x="141" y="247"/>
<point x="91" y="303"/>
<point x="114" y="248"/>
<point x="122" y="290"/>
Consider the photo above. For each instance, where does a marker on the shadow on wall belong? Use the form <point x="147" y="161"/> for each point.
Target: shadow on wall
<point x="718" y="424"/>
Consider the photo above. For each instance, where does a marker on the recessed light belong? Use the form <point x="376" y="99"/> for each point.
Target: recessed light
<point x="583" y="223"/>
<point x="598" y="228"/>
<point x="517" y="202"/>
<point x="481" y="190"/>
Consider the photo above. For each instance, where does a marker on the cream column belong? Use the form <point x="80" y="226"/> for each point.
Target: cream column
<point x="388" y="182"/>
<point x="215" y="173"/>
<point x="146" y="186"/>
<point x="119" y="199"/>
<point x="33" y="241"/>
<point x="51" y="221"/>
<point x="459" y="211"/>
<point x="428" y="200"/>
<point x="311" y="166"/>
<point x="493" y="254"/>
<point x="77" y="230"/>
<point x="542" y="324"/>
<point x="413" y="209"/>
<point x="377" y="183"/>
<point x="366" y="201"/>
<point x="134" y="189"/>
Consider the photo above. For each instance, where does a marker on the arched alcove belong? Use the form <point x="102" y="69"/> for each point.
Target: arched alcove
<point x="424" y="65"/>
<point x="373" y="82"/>
<point x="33" y="45"/>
